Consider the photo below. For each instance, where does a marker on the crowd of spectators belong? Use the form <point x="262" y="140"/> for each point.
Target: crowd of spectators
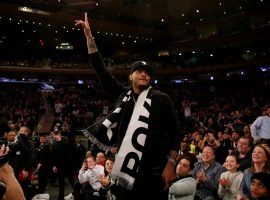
<point x="215" y="121"/>
<point x="203" y="58"/>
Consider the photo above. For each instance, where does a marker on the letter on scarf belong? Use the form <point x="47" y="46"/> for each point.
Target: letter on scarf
<point x="131" y="150"/>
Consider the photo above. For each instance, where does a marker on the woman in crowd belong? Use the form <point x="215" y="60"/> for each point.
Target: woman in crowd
<point x="109" y="185"/>
<point x="260" y="163"/>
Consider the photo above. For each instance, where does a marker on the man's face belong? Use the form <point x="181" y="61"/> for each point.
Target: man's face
<point x="258" y="189"/>
<point x="246" y="129"/>
<point x="57" y="137"/>
<point x="208" y="155"/>
<point x="140" y="79"/>
<point x="235" y="136"/>
<point x="226" y="136"/>
<point x="42" y="139"/>
<point x="24" y="131"/>
<point x="183" y="168"/>
<point x="11" y="136"/>
<point x="100" y="158"/>
<point x="243" y="146"/>
<point x="184" y="146"/>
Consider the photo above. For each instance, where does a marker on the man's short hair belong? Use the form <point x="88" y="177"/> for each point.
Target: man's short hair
<point x="250" y="141"/>
<point x="191" y="162"/>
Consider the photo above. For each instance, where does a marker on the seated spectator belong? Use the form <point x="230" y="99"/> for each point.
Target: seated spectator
<point x="230" y="181"/>
<point x="239" y="125"/>
<point x="235" y="139"/>
<point x="260" y="186"/>
<point x="109" y="185"/>
<point x="100" y="159"/>
<point x="207" y="173"/>
<point x="247" y="132"/>
<point x="210" y="140"/>
<point x="89" y="175"/>
<point x="260" y="163"/>
<point x="196" y="143"/>
<point x="243" y="152"/>
<point x="184" y="186"/>
<point x="224" y="148"/>
<point x="185" y="151"/>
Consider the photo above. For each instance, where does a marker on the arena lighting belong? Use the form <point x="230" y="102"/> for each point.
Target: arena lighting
<point x="32" y="10"/>
<point x="265" y="69"/>
<point x="80" y="82"/>
<point x="177" y="81"/>
<point x="64" y="46"/>
<point x="46" y="86"/>
<point x="164" y="53"/>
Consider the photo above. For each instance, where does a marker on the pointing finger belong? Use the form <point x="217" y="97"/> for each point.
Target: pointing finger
<point x="85" y="17"/>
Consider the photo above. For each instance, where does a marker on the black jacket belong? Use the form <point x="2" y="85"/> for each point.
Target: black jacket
<point x="163" y="125"/>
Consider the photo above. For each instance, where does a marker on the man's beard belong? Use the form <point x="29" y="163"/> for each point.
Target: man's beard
<point x="143" y="87"/>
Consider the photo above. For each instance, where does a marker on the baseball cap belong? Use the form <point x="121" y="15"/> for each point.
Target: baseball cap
<point x="142" y="65"/>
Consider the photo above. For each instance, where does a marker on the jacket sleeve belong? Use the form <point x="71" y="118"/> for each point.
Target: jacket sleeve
<point x="221" y="190"/>
<point x="212" y="181"/>
<point x="110" y="84"/>
<point x="183" y="187"/>
<point x="171" y="123"/>
<point x="83" y="176"/>
<point x="245" y="185"/>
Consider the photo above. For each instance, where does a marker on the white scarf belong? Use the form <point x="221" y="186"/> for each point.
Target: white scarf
<point x="131" y="150"/>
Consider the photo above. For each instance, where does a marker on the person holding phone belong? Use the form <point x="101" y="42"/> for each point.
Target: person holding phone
<point x="89" y="176"/>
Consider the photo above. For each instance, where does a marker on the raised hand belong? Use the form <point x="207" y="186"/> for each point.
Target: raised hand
<point x="85" y="25"/>
<point x="91" y="45"/>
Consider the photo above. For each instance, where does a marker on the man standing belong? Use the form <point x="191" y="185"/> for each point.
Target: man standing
<point x="143" y="126"/>
<point x="43" y="159"/>
<point x="260" y="128"/>
<point x="23" y="161"/>
<point x="61" y="162"/>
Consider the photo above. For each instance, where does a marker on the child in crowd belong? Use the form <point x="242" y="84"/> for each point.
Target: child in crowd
<point x="89" y="176"/>
<point x="230" y="181"/>
<point x="260" y="186"/>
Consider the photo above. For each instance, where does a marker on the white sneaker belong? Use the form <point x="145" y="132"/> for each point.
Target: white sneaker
<point x="69" y="197"/>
